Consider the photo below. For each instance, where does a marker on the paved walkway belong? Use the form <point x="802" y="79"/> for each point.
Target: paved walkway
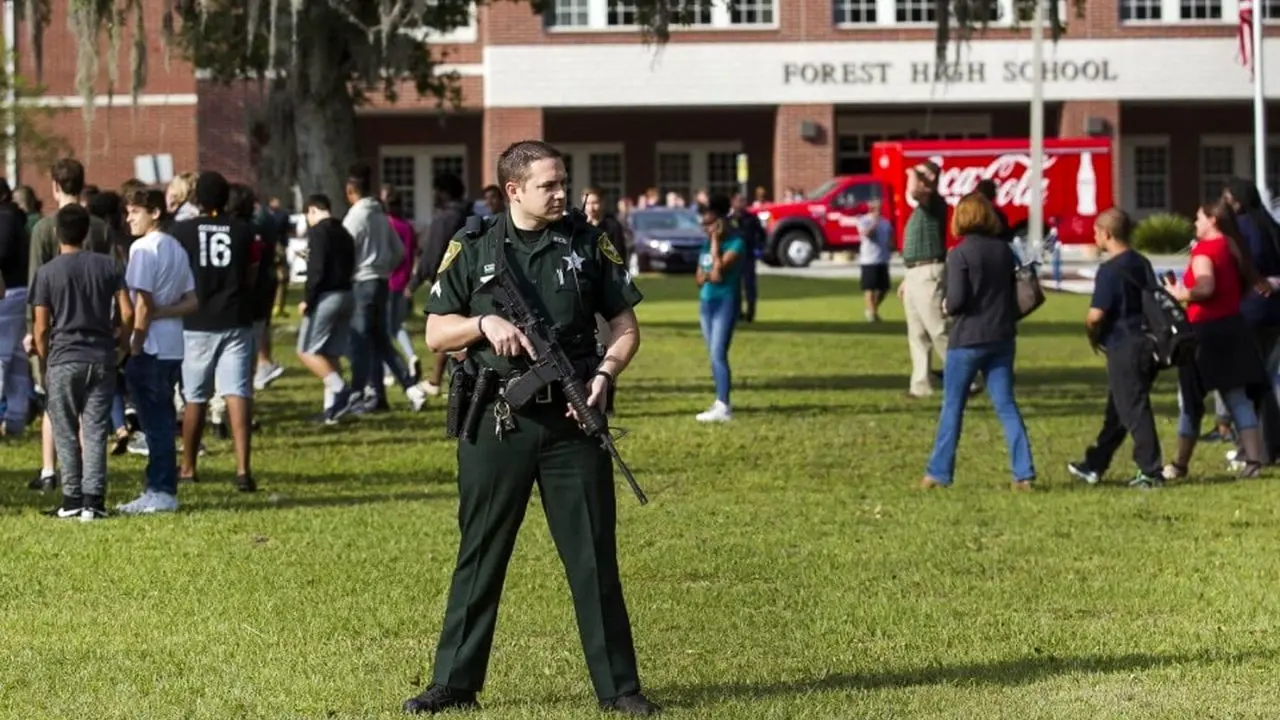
<point x="1078" y="270"/>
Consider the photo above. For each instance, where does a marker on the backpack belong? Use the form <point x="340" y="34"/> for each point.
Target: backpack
<point x="1166" y="325"/>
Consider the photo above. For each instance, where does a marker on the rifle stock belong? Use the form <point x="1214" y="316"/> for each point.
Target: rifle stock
<point x="552" y="365"/>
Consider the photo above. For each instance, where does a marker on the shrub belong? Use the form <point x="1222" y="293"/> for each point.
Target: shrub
<point x="1163" y="233"/>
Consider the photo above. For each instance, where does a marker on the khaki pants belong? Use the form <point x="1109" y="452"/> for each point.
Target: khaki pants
<point x="926" y="326"/>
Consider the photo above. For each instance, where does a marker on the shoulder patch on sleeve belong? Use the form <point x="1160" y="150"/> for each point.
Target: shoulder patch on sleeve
<point x="451" y="254"/>
<point x="606" y="247"/>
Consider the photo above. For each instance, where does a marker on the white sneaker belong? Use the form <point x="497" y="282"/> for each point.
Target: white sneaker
<point x="417" y="397"/>
<point x="432" y="390"/>
<point x="150" y="502"/>
<point x="719" y="412"/>
<point x="266" y="375"/>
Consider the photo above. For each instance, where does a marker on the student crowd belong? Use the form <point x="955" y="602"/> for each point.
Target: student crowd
<point x="132" y="307"/>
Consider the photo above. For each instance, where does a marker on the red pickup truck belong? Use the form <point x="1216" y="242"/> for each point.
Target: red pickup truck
<point x="1077" y="186"/>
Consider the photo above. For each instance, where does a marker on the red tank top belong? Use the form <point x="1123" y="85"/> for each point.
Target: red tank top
<point x="1228" y="287"/>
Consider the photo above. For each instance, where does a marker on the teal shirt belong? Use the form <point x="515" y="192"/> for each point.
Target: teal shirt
<point x="730" y="277"/>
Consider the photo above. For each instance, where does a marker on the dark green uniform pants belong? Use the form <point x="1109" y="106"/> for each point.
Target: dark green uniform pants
<point x="495" y="481"/>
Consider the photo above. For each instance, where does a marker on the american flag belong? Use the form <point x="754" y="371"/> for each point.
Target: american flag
<point x="1244" y="35"/>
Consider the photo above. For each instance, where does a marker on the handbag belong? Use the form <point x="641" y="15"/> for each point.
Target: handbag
<point x="1026" y="282"/>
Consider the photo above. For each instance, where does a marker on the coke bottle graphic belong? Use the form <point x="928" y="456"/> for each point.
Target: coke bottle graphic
<point x="1086" y="187"/>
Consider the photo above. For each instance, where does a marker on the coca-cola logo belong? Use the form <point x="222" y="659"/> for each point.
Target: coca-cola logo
<point x="1011" y="173"/>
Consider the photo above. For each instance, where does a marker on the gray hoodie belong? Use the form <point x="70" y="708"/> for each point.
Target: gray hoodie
<point x="378" y="248"/>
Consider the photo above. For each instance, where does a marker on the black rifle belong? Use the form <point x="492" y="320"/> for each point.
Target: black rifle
<point x="551" y="366"/>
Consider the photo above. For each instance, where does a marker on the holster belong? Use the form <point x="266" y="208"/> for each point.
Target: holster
<point x="486" y="387"/>
<point x="462" y="382"/>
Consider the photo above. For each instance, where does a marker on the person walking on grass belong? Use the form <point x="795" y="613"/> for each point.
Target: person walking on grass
<point x="1115" y="325"/>
<point x="982" y="298"/>
<point x="163" y="291"/>
<point x="719" y="279"/>
<point x="327" y="305"/>
<point x="80" y="342"/>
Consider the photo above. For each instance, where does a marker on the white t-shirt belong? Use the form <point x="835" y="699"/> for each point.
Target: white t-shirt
<point x="159" y="265"/>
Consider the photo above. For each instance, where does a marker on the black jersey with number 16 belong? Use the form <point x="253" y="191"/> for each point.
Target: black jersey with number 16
<point x="219" y="249"/>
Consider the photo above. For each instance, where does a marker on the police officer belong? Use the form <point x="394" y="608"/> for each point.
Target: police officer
<point x="570" y="271"/>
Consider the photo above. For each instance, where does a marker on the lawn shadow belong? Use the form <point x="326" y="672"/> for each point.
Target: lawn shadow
<point x="1007" y="673"/>
<point x="266" y="501"/>
<point x="847" y="326"/>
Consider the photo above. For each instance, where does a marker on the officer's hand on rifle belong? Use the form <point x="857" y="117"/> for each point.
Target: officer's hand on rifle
<point x="597" y="397"/>
<point x="506" y="339"/>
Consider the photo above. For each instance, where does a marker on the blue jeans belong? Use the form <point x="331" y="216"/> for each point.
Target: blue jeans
<point x="995" y="361"/>
<point x="117" y="404"/>
<point x="718" y="319"/>
<point x="1239" y="408"/>
<point x="151" y="382"/>
<point x="370" y="347"/>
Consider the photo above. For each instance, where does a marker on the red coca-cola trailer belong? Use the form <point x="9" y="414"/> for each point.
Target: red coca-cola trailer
<point x="1076" y="181"/>
<point x="1077" y="186"/>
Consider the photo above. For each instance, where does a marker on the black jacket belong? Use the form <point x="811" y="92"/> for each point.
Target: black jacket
<point x="446" y="223"/>
<point x="331" y="260"/>
<point x="751" y="228"/>
<point x="981" y="292"/>
<point x="15" y="246"/>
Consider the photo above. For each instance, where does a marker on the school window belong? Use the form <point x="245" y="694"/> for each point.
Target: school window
<point x="1270" y="9"/>
<point x="1140" y="10"/>
<point x="570" y="13"/>
<point x="1151" y="177"/>
<point x="855" y="12"/>
<point x="599" y="166"/>
<point x="1200" y="9"/>
<point x="412" y="170"/>
<point x="1217" y="166"/>
<point x="914" y="11"/>
<point x="686" y="168"/>
<point x="751" y="12"/>
<point x="398" y="171"/>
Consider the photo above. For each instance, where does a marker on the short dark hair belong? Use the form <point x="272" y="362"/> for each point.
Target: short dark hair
<point x="319" y="201"/>
<point x="987" y="187"/>
<point x="240" y="200"/>
<point x="718" y="204"/>
<point x="89" y="193"/>
<point x="26" y="198"/>
<point x="68" y="175"/>
<point x="449" y="184"/>
<point x="491" y="188"/>
<point x="360" y="178"/>
<point x="212" y="192"/>
<point x="1116" y="223"/>
<point x="106" y="206"/>
<point x="149" y="199"/>
<point x="72" y="223"/>
<point x="395" y="203"/>
<point x="514" y="162"/>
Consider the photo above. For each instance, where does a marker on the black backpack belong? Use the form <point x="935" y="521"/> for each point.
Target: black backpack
<point x="1165" y="323"/>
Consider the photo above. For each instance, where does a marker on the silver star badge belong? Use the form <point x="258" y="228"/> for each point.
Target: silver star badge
<point x="436" y="289"/>
<point x="574" y="261"/>
<point x="626" y="276"/>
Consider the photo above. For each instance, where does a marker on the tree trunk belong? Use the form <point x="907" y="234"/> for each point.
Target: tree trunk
<point x="274" y="135"/>
<point x="324" y="113"/>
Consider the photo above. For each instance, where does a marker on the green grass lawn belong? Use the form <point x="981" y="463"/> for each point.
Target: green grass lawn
<point x="786" y="567"/>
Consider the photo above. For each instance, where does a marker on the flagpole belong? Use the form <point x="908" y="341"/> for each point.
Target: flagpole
<point x="1259" y="108"/>
<point x="1035" y="212"/>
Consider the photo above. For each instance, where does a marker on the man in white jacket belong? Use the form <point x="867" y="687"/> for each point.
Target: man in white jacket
<point x="378" y="252"/>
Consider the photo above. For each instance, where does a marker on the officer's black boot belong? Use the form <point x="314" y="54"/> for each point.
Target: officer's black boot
<point x="630" y="704"/>
<point x="438" y="698"/>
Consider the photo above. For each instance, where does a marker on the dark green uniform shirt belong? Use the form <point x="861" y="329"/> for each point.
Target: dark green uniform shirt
<point x="570" y="273"/>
